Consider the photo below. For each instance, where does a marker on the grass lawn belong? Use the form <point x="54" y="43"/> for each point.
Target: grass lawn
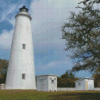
<point x="60" y="95"/>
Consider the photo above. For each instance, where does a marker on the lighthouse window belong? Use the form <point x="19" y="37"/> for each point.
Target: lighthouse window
<point x="23" y="76"/>
<point x="24" y="46"/>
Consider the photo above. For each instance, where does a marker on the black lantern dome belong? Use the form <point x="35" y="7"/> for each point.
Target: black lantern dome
<point x="23" y="9"/>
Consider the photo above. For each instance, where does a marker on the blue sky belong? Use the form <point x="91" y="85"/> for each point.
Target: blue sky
<point x="48" y="16"/>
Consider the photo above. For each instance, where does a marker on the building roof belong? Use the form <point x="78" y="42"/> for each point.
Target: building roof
<point x="85" y="78"/>
<point x="47" y="75"/>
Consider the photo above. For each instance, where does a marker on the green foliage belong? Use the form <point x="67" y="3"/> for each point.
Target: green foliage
<point x="3" y="66"/>
<point x="3" y="70"/>
<point x="96" y="77"/>
<point x="82" y="34"/>
<point x="66" y="80"/>
<point x="68" y="75"/>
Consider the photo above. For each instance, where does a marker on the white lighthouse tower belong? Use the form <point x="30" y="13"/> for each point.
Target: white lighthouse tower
<point x="21" y="71"/>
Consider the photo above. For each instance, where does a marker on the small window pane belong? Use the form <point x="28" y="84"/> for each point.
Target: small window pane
<point x="24" y="46"/>
<point x="78" y="83"/>
<point x="52" y="81"/>
<point x="23" y="76"/>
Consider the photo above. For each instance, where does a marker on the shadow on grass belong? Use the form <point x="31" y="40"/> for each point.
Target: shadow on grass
<point x="76" y="96"/>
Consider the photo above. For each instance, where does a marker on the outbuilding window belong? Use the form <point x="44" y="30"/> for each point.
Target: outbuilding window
<point x="23" y="76"/>
<point x="52" y="81"/>
<point x="23" y="46"/>
<point x="78" y="83"/>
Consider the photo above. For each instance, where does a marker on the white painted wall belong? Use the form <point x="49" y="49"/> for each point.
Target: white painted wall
<point x="44" y="83"/>
<point x="52" y="86"/>
<point x="21" y="60"/>
<point x="90" y="84"/>
<point x="82" y="85"/>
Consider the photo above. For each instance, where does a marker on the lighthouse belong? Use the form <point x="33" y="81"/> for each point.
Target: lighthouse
<point x="21" y="69"/>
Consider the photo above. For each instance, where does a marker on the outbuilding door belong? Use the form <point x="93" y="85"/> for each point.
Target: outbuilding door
<point x="52" y="85"/>
<point x="86" y="83"/>
<point x="41" y="84"/>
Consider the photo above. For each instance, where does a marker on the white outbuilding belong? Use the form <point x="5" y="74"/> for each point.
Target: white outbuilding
<point x="46" y="82"/>
<point x="84" y="84"/>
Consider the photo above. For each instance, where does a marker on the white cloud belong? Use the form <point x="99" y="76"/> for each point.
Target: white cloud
<point x="56" y="64"/>
<point x="48" y="14"/>
<point x="48" y="17"/>
<point x="12" y="22"/>
<point x="10" y="9"/>
<point x="6" y="39"/>
<point x="8" y="14"/>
